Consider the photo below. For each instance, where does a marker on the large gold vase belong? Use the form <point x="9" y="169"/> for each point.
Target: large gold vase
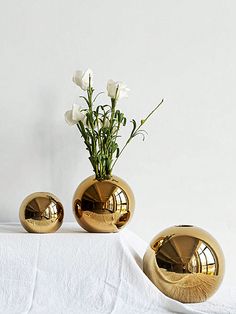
<point x="103" y="206"/>
<point x="186" y="263"/>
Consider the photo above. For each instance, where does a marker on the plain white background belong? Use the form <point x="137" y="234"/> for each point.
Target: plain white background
<point x="183" y="51"/>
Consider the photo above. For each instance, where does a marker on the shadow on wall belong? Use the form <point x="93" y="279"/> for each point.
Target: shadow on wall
<point x="59" y="146"/>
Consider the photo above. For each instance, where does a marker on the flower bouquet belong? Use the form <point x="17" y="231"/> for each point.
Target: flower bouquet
<point x="99" y="126"/>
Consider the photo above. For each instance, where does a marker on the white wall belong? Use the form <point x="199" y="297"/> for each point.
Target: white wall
<point x="183" y="51"/>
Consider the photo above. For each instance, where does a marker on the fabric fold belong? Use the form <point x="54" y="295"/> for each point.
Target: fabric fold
<point x="73" y="272"/>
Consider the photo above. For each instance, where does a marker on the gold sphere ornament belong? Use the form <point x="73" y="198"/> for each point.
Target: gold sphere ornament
<point x="186" y="263"/>
<point x="41" y="212"/>
<point x="103" y="206"/>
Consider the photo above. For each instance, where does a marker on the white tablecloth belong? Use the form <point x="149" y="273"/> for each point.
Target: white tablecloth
<point x="72" y="271"/>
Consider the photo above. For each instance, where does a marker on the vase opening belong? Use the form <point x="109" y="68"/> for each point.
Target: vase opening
<point x="184" y="226"/>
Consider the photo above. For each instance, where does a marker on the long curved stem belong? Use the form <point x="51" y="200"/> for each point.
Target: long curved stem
<point x="132" y="135"/>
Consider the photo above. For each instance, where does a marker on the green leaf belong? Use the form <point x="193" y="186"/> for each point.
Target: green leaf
<point x="134" y="127"/>
<point x="117" y="113"/>
<point x="117" y="152"/>
<point x="85" y="99"/>
<point x="97" y="96"/>
<point x="140" y="133"/>
<point x="121" y="116"/>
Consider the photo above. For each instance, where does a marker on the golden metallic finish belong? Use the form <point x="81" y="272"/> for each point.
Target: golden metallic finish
<point x="103" y="206"/>
<point x="186" y="263"/>
<point x="41" y="212"/>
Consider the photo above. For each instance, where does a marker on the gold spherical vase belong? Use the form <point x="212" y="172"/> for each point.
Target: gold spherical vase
<point x="41" y="212"/>
<point x="103" y="206"/>
<point x="186" y="263"/>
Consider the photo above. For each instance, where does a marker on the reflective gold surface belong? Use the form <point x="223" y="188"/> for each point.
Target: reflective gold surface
<point x="186" y="263"/>
<point x="41" y="212"/>
<point x="103" y="206"/>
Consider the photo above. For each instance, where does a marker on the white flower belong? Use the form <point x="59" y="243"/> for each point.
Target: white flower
<point x="102" y="124"/>
<point x="117" y="90"/>
<point x="75" y="115"/>
<point x="106" y="123"/>
<point x="81" y="78"/>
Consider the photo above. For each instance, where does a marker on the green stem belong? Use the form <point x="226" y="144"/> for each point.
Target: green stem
<point x="87" y="145"/>
<point x="153" y="111"/>
<point x="97" y="165"/>
<point x="132" y="135"/>
<point x="113" y="107"/>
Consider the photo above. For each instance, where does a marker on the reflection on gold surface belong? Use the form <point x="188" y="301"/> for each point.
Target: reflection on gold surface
<point x="103" y="206"/>
<point x="41" y="212"/>
<point x="185" y="263"/>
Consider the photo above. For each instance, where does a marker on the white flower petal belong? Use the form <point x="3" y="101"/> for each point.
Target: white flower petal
<point x="68" y="118"/>
<point x="75" y="115"/>
<point x="124" y="93"/>
<point x="77" y="77"/>
<point x="117" y="90"/>
<point x="106" y="123"/>
<point x="81" y="78"/>
<point x="76" y="112"/>
<point x="111" y="88"/>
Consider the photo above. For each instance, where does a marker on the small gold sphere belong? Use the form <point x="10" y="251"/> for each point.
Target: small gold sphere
<point x="186" y="263"/>
<point x="103" y="206"/>
<point x="41" y="212"/>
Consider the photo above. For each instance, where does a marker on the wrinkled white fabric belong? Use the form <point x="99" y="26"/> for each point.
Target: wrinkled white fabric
<point x="73" y="271"/>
